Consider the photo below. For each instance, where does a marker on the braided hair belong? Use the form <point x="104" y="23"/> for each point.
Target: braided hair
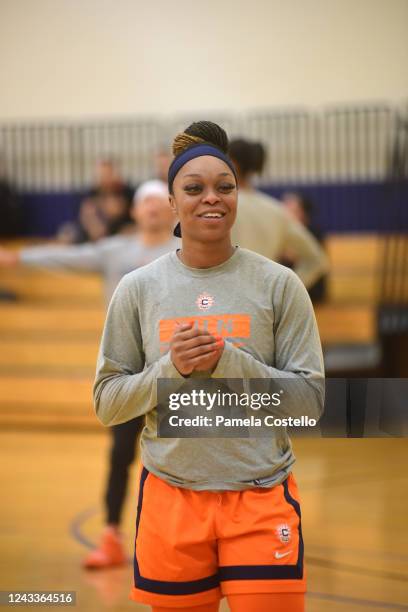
<point x="201" y="132"/>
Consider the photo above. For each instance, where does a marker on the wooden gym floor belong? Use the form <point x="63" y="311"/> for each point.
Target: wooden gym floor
<point x="354" y="520"/>
<point x="53" y="453"/>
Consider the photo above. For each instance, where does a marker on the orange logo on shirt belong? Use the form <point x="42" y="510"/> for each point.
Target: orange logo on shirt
<point x="234" y="326"/>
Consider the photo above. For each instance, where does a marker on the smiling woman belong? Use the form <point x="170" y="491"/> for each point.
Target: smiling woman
<point x="211" y="510"/>
<point x="203" y="193"/>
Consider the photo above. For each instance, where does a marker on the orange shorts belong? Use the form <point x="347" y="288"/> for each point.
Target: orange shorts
<point x="194" y="547"/>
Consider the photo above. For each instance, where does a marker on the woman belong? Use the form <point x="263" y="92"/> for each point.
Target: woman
<point x="262" y="224"/>
<point x="215" y="516"/>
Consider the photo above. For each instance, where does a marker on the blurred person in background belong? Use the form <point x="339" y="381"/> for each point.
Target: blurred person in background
<point x="11" y="218"/>
<point x="301" y="208"/>
<point x="117" y="255"/>
<point x="263" y="226"/>
<point x="105" y="209"/>
<point x="98" y="217"/>
<point x="113" y="257"/>
<point x="109" y="181"/>
<point x="162" y="162"/>
<point x="10" y="207"/>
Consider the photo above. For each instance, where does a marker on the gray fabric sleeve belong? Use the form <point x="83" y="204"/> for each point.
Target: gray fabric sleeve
<point x="82" y="257"/>
<point x="298" y="356"/>
<point x="124" y="388"/>
<point x="311" y="261"/>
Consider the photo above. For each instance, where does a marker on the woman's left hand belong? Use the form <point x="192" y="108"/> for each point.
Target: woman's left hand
<point x="208" y="363"/>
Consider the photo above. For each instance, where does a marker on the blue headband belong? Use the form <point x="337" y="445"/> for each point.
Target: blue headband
<point x="192" y="152"/>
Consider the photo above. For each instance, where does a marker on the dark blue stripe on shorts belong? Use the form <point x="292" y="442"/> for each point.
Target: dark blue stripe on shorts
<point x="160" y="586"/>
<point x="144" y="474"/>
<point x="293" y="502"/>
<point x="143" y="477"/>
<point x="259" y="572"/>
<point x="178" y="588"/>
<point x="270" y="572"/>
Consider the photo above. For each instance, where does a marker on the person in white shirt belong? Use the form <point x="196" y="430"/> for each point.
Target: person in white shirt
<point x="113" y="257"/>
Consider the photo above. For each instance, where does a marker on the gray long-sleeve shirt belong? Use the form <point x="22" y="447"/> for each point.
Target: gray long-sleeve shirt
<point x="264" y="227"/>
<point x="265" y="315"/>
<point x="112" y="257"/>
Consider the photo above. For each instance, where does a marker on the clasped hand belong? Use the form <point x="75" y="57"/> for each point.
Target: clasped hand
<point x="193" y="349"/>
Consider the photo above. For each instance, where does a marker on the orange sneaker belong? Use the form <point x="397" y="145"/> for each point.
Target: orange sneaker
<point x="109" y="553"/>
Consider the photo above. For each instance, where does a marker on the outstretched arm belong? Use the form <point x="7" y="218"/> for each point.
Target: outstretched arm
<point x="82" y="257"/>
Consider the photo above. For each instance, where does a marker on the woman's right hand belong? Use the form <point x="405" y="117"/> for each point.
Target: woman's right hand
<point x="8" y="258"/>
<point x="194" y="349"/>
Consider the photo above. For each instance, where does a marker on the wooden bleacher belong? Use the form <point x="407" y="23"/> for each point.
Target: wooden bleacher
<point x="49" y="338"/>
<point x="355" y="262"/>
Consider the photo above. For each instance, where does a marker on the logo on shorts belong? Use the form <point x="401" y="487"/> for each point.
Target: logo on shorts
<point x="284" y="534"/>
<point x="204" y="301"/>
<point x="279" y="555"/>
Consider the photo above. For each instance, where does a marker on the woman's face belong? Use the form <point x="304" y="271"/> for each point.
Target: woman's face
<point x="205" y="199"/>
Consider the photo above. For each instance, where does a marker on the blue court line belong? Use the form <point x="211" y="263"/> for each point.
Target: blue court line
<point x="75" y="528"/>
<point x="372" y="603"/>
<point x="76" y="524"/>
